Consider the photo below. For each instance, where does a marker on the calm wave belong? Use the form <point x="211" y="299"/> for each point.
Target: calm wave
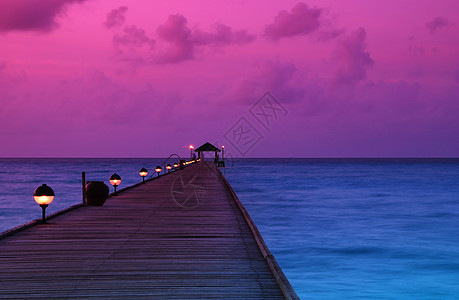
<point x="358" y="228"/>
<point x="19" y="178"/>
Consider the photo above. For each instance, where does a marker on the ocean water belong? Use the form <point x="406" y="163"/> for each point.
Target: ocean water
<point x="358" y="228"/>
<point x="20" y="177"/>
<point x="340" y="229"/>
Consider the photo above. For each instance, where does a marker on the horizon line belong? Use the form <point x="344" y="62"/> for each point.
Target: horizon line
<point x="260" y="157"/>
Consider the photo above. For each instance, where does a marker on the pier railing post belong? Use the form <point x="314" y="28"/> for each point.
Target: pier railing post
<point x="83" y="183"/>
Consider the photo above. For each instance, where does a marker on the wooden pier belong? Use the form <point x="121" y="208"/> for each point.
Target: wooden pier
<point x="184" y="235"/>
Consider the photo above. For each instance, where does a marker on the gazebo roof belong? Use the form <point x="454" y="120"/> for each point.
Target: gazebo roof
<point x="207" y="147"/>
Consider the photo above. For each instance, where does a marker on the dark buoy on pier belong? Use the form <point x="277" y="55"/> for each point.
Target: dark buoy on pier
<point x="96" y="193"/>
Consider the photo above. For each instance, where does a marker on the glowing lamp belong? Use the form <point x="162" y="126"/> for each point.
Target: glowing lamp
<point x="191" y="151"/>
<point x="143" y="172"/>
<point x="169" y="167"/>
<point x="115" y="180"/>
<point x="158" y="170"/>
<point x="43" y="195"/>
<point x="176" y="165"/>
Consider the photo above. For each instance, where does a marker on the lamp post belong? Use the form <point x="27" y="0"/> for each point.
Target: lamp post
<point x="158" y="170"/>
<point x="191" y="151"/>
<point x="168" y="167"/>
<point x="43" y="195"/>
<point x="143" y="172"/>
<point x="115" y="180"/>
<point x="223" y="153"/>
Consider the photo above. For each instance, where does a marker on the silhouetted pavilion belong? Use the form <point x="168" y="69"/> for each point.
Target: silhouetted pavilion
<point x="207" y="147"/>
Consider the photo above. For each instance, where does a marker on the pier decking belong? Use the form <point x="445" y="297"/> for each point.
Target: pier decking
<point x="162" y="239"/>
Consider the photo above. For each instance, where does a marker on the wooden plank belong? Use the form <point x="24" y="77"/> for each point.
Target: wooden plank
<point x="143" y="244"/>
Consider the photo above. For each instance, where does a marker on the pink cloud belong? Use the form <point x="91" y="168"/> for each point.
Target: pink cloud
<point x="242" y="37"/>
<point x="132" y="36"/>
<point x="438" y="23"/>
<point x="182" y="41"/>
<point x="301" y="20"/>
<point x="116" y="17"/>
<point x="133" y="46"/>
<point x="32" y="15"/>
<point x="272" y="76"/>
<point x="329" y="34"/>
<point x="175" y="42"/>
<point x="351" y="58"/>
<point x="177" y="35"/>
<point x="407" y="105"/>
<point x="222" y="36"/>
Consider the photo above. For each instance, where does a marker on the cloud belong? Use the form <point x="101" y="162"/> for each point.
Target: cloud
<point x="301" y="20"/>
<point x="116" y="17"/>
<point x="437" y="24"/>
<point x="273" y="76"/>
<point x="182" y="42"/>
<point x="133" y="37"/>
<point x="329" y="34"/>
<point x="351" y="58"/>
<point x="177" y="35"/>
<point x="175" y="41"/>
<point x="32" y="15"/>
<point x="222" y="36"/>
<point x="131" y="45"/>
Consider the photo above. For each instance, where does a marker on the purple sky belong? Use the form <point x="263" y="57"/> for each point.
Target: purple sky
<point x="109" y="78"/>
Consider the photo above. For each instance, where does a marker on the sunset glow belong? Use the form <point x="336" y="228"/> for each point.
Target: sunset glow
<point x="119" y="79"/>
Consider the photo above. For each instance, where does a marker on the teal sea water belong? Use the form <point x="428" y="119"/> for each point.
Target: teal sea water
<point x="20" y="177"/>
<point x="358" y="228"/>
<point x="340" y="229"/>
